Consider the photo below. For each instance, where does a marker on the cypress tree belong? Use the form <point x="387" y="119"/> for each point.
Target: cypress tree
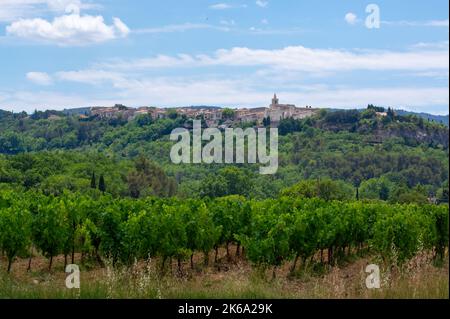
<point x="93" y="181"/>
<point x="101" y="184"/>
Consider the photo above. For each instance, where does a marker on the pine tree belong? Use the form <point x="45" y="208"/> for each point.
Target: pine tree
<point x="93" y="181"/>
<point x="101" y="184"/>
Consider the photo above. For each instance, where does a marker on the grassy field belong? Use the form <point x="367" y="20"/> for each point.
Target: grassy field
<point x="233" y="278"/>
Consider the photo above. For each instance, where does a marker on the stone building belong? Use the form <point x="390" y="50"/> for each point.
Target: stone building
<point x="277" y="112"/>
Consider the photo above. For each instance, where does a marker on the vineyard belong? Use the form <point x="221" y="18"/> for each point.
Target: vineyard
<point x="268" y="233"/>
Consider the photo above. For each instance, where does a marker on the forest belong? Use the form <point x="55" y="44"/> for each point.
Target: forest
<point x="399" y="159"/>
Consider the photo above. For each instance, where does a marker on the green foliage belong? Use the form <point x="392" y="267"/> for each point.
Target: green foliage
<point x="376" y="188"/>
<point x="53" y="152"/>
<point x="376" y="108"/>
<point x="53" y="228"/>
<point x="268" y="242"/>
<point x="50" y="198"/>
<point x="101" y="184"/>
<point x="272" y="231"/>
<point x="228" y="114"/>
<point x="15" y="228"/>
<point x="325" y="189"/>
<point x="149" y="179"/>
<point x="93" y="181"/>
<point x="229" y="181"/>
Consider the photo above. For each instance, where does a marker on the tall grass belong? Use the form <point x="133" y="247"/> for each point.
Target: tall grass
<point x="417" y="279"/>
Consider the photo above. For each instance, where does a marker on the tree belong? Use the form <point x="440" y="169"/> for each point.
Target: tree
<point x="391" y="113"/>
<point x="202" y="233"/>
<point x="172" y="114"/>
<point x="304" y="236"/>
<point x="53" y="228"/>
<point x="111" y="232"/>
<point x="140" y="236"/>
<point x="397" y="234"/>
<point x="172" y="238"/>
<point x="149" y="179"/>
<point x="342" y="117"/>
<point x="228" y="114"/>
<point x="70" y="207"/>
<point x="268" y="244"/>
<point x="93" y="181"/>
<point x="144" y="120"/>
<point x="101" y="184"/>
<point x="376" y="108"/>
<point x="289" y="125"/>
<point x="325" y="188"/>
<point x="11" y="143"/>
<point x="377" y="188"/>
<point x="443" y="194"/>
<point x="214" y="186"/>
<point x="15" y="231"/>
<point x="227" y="212"/>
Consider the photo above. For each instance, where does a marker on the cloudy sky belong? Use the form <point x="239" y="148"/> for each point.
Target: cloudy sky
<point x="57" y="54"/>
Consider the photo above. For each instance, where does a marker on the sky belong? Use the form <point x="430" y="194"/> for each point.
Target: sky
<point x="57" y="54"/>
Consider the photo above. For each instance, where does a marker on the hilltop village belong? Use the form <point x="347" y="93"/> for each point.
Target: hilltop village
<point x="214" y="117"/>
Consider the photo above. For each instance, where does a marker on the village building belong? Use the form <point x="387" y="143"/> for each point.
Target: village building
<point x="277" y="112"/>
<point x="212" y="116"/>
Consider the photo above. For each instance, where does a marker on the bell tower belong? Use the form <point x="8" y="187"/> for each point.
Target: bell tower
<point x="275" y="100"/>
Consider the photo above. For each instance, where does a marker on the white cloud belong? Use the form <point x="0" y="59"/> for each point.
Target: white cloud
<point x="264" y="21"/>
<point x="351" y="18"/>
<point x="68" y="30"/>
<point x="220" y="6"/>
<point x="441" y="45"/>
<point x="299" y="58"/>
<point x="442" y="74"/>
<point x="122" y="28"/>
<point x="251" y="91"/>
<point x="65" y="5"/>
<point x="438" y="23"/>
<point x="291" y="71"/>
<point x="403" y="97"/>
<point x="40" y="78"/>
<point x="176" y="92"/>
<point x="12" y="10"/>
<point x="45" y="100"/>
<point x="160" y="61"/>
<point x="179" y="28"/>
<point x="93" y="77"/>
<point x="170" y="92"/>
<point x="273" y="31"/>
<point x="228" y="22"/>
<point x="405" y="23"/>
<point x="262" y="3"/>
<point x="225" y="6"/>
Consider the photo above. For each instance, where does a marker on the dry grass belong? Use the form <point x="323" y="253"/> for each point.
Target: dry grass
<point x="228" y="279"/>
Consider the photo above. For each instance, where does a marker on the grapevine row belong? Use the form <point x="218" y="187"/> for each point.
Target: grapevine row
<point x="271" y="232"/>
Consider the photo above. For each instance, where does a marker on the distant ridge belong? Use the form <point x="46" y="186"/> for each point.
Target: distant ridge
<point x="444" y="119"/>
<point x="437" y="118"/>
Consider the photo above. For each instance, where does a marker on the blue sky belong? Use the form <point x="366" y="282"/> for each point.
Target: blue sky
<point x="57" y="54"/>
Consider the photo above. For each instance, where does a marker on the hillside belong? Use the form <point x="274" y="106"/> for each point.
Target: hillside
<point x="436" y="118"/>
<point x="391" y="158"/>
<point x="440" y="119"/>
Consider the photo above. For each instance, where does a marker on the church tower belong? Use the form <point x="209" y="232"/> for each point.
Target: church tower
<point x="275" y="100"/>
